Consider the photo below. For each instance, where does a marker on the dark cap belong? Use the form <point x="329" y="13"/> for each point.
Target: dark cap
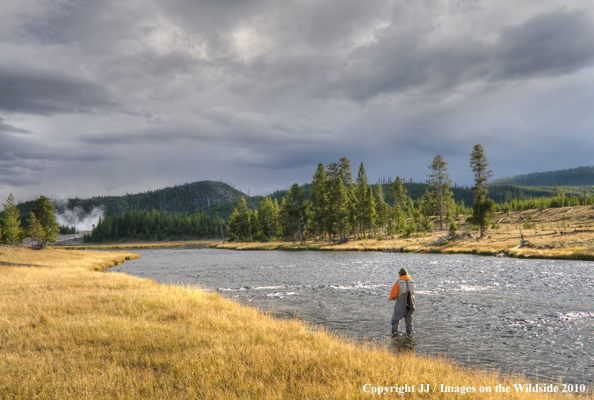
<point x="403" y="271"/>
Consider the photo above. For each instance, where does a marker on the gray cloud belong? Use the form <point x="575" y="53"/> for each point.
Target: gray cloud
<point x="553" y="43"/>
<point x="147" y="93"/>
<point x="10" y="129"/>
<point x="30" y="91"/>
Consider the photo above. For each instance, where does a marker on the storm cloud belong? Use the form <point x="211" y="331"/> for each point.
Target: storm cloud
<point x="105" y="97"/>
<point x="28" y="91"/>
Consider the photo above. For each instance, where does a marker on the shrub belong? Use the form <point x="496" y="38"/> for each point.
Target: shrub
<point x="529" y="225"/>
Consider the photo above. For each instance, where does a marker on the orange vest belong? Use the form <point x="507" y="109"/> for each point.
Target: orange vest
<point x="396" y="287"/>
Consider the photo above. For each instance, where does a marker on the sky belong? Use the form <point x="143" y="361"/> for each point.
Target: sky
<point x="112" y="97"/>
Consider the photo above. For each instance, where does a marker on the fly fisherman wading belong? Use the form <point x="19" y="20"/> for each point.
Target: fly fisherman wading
<point x="403" y="308"/>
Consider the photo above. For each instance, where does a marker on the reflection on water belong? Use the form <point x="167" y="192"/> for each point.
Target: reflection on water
<point x="402" y="344"/>
<point x="525" y="316"/>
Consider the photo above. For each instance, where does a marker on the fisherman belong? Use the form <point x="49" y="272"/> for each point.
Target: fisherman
<point x="402" y="309"/>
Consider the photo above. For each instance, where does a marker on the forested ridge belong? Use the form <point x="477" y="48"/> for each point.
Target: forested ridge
<point x="581" y="176"/>
<point x="205" y="196"/>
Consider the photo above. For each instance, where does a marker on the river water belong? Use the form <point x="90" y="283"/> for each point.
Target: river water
<point x="534" y="317"/>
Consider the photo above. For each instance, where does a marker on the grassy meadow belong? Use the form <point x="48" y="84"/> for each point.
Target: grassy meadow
<point x="68" y="330"/>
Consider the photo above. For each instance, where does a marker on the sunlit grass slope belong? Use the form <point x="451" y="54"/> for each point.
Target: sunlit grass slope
<point x="58" y="258"/>
<point x="70" y="332"/>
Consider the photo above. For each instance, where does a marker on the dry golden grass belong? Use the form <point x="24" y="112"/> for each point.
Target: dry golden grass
<point x="54" y="258"/>
<point x="72" y="332"/>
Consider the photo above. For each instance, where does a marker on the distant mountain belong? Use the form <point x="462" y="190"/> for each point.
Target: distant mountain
<point x="582" y="176"/>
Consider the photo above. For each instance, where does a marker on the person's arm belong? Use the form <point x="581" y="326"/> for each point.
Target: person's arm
<point x="395" y="290"/>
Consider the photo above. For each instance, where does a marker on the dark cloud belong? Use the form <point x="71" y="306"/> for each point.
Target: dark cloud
<point x="554" y="43"/>
<point x="17" y="168"/>
<point x="31" y="91"/>
<point x="261" y="91"/>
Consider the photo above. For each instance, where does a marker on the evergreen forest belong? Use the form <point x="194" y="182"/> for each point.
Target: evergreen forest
<point x="337" y="205"/>
<point x="155" y="225"/>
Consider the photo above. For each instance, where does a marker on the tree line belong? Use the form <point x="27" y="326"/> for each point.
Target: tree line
<point x="42" y="226"/>
<point x="155" y="225"/>
<point x="341" y="208"/>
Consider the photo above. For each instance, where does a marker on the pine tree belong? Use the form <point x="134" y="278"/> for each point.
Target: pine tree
<point x="268" y="219"/>
<point x="427" y="203"/>
<point x="239" y="222"/>
<point x="382" y="208"/>
<point x="425" y="225"/>
<point x="345" y="167"/>
<point x="35" y="229"/>
<point x="399" y="219"/>
<point x="333" y="169"/>
<point x="399" y="194"/>
<point x="11" y="228"/>
<point x="293" y="213"/>
<point x="44" y="212"/>
<point x="369" y="213"/>
<point x="441" y="183"/>
<point x="255" y="228"/>
<point x="483" y="208"/>
<point x="360" y="193"/>
<point x="319" y="200"/>
<point x="338" y="208"/>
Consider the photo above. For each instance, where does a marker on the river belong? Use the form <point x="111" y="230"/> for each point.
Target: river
<point x="534" y="317"/>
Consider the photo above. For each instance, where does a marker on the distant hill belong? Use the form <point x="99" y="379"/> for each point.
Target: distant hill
<point x="582" y="176"/>
<point x="207" y="196"/>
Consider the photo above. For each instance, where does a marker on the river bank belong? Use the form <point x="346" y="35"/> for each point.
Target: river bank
<point x="69" y="331"/>
<point x="555" y="233"/>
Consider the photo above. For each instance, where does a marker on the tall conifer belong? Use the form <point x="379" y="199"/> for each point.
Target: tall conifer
<point x="441" y="183"/>
<point x="382" y="208"/>
<point x="369" y="213"/>
<point x="44" y="212"/>
<point x="360" y="193"/>
<point x="399" y="194"/>
<point x="319" y="199"/>
<point x="345" y="167"/>
<point x="293" y="213"/>
<point x="239" y="222"/>
<point x="35" y="229"/>
<point x="338" y="208"/>
<point x="11" y="228"/>
<point x="267" y="217"/>
<point x="483" y="207"/>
